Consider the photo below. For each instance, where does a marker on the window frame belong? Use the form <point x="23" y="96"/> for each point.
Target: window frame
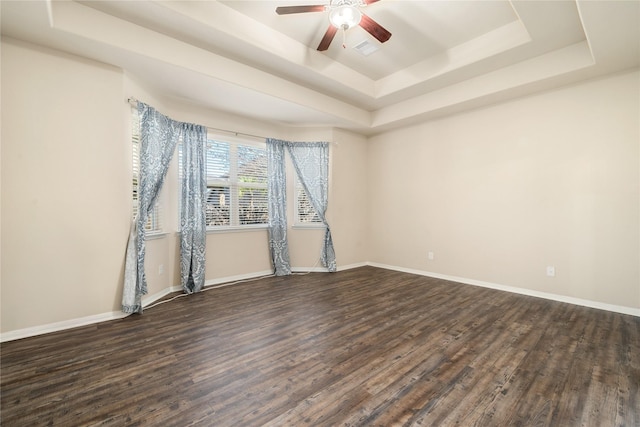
<point x="232" y="183"/>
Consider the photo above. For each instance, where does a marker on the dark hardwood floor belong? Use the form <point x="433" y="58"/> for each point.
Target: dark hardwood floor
<point x="363" y="347"/>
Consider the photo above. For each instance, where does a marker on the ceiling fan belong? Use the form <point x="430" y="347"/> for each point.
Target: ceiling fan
<point x="343" y="14"/>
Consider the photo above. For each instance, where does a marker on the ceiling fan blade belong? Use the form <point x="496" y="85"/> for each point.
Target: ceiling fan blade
<point x="370" y="1"/>
<point x="375" y="29"/>
<point x="285" y="10"/>
<point x="328" y="37"/>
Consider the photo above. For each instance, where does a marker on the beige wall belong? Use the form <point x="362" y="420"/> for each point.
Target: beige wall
<point x="500" y="193"/>
<point x="497" y="194"/>
<point x="65" y="187"/>
<point x="349" y="198"/>
<point x="66" y="192"/>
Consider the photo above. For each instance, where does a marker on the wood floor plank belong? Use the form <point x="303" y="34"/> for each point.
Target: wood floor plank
<point x="363" y="347"/>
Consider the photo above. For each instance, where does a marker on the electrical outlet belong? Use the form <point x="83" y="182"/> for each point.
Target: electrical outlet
<point x="161" y="269"/>
<point x="551" y="271"/>
<point x="430" y="255"/>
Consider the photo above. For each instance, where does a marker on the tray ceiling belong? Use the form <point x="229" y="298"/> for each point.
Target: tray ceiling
<point x="241" y="57"/>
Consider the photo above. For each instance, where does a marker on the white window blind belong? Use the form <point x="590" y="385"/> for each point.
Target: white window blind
<point x="252" y="185"/>
<point x="305" y="214"/>
<point x="153" y="224"/>
<point x="218" y="161"/>
<point x="236" y="183"/>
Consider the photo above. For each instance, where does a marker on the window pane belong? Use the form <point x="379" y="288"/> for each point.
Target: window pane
<point x="236" y="183"/>
<point x="218" y="160"/>
<point x="153" y="221"/>
<point x="252" y="205"/>
<point x="135" y="144"/>
<point x="252" y="164"/>
<point x="306" y="212"/>
<point x="218" y="206"/>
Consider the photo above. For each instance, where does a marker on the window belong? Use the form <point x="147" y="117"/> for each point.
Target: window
<point x="305" y="214"/>
<point x="236" y="183"/>
<point x="153" y="224"/>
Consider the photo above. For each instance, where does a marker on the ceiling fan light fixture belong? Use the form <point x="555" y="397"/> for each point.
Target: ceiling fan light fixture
<point x="345" y="16"/>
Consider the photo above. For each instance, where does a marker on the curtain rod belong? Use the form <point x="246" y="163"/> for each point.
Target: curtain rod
<point x="134" y="103"/>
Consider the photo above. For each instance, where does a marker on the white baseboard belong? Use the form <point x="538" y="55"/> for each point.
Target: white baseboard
<point x="309" y="270"/>
<point x="227" y="281"/>
<point x="232" y="280"/>
<point x="324" y="269"/>
<point x="150" y="299"/>
<point x="59" y="326"/>
<point x="522" y="291"/>
<point x="114" y="315"/>
<point x="351" y="266"/>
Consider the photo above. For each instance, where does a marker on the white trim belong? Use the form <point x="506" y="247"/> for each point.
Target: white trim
<point x="227" y="281"/>
<point x="522" y="291"/>
<point x="147" y="300"/>
<point x="309" y="270"/>
<point x="236" y="228"/>
<point x="153" y="235"/>
<point x="113" y="315"/>
<point x="351" y="266"/>
<point x="238" y="278"/>
<point x="315" y="269"/>
<point x="309" y="226"/>
<point x="60" y="326"/>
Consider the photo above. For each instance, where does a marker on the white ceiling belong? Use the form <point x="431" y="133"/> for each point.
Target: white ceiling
<point x="239" y="56"/>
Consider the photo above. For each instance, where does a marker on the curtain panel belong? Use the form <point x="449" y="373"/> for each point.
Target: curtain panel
<point x="159" y="136"/>
<point x="311" y="162"/>
<point x="193" y="225"/>
<point x="277" y="206"/>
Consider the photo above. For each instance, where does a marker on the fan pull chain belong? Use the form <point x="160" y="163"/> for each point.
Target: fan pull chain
<point x="344" y="37"/>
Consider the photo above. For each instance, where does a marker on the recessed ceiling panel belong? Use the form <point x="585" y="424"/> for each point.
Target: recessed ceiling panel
<point x="421" y="29"/>
<point x="444" y="56"/>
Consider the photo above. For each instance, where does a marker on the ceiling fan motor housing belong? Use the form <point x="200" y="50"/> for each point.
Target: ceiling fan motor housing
<point x="345" y="16"/>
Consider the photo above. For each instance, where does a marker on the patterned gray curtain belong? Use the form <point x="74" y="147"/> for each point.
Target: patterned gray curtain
<point x="158" y="138"/>
<point x="192" y="216"/>
<point x="277" y="202"/>
<point x="311" y="161"/>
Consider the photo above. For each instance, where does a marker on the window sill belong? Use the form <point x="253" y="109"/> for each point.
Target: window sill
<point x="237" y="229"/>
<point x="155" y="235"/>
<point x="308" y="227"/>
